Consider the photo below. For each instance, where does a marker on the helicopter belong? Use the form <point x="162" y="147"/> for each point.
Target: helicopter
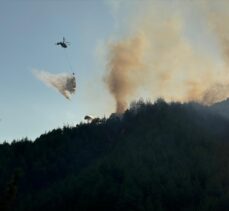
<point x="63" y="44"/>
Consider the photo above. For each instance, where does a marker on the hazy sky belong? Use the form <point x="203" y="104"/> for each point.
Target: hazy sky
<point x="173" y="49"/>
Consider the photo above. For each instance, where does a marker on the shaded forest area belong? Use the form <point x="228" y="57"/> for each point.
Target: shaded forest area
<point x="156" y="156"/>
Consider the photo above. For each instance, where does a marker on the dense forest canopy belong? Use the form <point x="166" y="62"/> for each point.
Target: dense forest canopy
<point x="155" y="156"/>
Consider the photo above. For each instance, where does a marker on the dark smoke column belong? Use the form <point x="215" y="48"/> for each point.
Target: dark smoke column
<point x="124" y="68"/>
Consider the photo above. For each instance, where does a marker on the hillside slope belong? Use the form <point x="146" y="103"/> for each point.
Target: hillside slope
<point x="154" y="157"/>
<point x="221" y="108"/>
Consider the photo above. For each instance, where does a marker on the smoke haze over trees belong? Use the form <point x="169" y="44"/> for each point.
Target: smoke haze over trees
<point x="159" y="56"/>
<point x="153" y="157"/>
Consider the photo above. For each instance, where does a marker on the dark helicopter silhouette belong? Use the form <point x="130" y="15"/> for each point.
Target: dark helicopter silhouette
<point x="63" y="44"/>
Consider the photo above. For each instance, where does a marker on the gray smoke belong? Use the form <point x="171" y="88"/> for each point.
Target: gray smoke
<point x="63" y="82"/>
<point x="218" y="92"/>
<point x="167" y="61"/>
<point x="125" y="69"/>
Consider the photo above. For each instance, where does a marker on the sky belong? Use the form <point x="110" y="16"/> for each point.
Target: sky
<point x="29" y="31"/>
<point x="121" y="50"/>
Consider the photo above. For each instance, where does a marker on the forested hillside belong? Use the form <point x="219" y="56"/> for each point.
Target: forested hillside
<point x="153" y="157"/>
<point x="221" y="108"/>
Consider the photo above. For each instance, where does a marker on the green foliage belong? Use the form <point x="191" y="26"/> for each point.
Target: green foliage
<point x="153" y="157"/>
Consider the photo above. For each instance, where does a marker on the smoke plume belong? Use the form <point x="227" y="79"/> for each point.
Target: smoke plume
<point x="217" y="18"/>
<point x="165" y="61"/>
<point x="125" y="65"/>
<point x="64" y="83"/>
